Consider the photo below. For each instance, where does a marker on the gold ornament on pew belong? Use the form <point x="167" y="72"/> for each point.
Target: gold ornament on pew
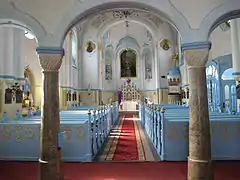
<point x="5" y="132"/>
<point x="80" y="133"/>
<point x="19" y="132"/>
<point x="163" y="110"/>
<point x="155" y="107"/>
<point x="29" y="133"/>
<point x="67" y="133"/>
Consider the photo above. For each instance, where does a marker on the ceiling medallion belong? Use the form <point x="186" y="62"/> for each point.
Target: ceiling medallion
<point x="125" y="14"/>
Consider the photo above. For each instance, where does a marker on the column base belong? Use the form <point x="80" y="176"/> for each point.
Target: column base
<point x="199" y="169"/>
<point x="48" y="171"/>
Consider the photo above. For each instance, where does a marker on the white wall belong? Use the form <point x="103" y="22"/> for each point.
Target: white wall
<point x="221" y="43"/>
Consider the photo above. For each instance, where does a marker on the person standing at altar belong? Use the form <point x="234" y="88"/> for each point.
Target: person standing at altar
<point x="119" y="96"/>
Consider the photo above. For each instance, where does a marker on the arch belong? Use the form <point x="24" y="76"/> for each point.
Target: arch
<point x="127" y="42"/>
<point x="91" y="7"/>
<point x="219" y="15"/>
<point x="105" y="27"/>
<point x="12" y="16"/>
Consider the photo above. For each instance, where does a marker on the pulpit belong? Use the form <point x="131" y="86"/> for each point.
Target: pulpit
<point x="130" y="97"/>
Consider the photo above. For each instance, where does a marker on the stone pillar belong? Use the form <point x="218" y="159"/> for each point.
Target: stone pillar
<point x="50" y="62"/>
<point x="199" y="159"/>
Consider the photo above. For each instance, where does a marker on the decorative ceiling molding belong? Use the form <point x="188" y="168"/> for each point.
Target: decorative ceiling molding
<point x="101" y="18"/>
<point x="117" y="15"/>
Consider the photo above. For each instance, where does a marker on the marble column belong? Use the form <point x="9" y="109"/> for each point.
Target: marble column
<point x="50" y="62"/>
<point x="199" y="159"/>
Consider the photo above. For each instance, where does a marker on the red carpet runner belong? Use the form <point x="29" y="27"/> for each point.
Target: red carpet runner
<point x="127" y="148"/>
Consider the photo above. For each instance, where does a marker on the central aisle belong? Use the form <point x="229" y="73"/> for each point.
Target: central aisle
<point x="127" y="142"/>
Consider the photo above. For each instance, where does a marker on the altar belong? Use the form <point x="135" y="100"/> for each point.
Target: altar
<point x="129" y="105"/>
<point x="130" y="97"/>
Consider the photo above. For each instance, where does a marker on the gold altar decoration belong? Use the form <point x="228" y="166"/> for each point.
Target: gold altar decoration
<point x="130" y="92"/>
<point x="5" y="132"/>
<point x="80" y="133"/>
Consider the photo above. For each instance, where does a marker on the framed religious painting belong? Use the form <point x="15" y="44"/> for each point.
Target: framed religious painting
<point x="90" y="46"/>
<point x="165" y="44"/>
<point x="128" y="63"/>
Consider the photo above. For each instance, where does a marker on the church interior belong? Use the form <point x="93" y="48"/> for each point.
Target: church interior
<point x="116" y="90"/>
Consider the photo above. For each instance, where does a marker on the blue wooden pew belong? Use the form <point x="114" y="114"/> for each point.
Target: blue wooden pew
<point x="168" y="131"/>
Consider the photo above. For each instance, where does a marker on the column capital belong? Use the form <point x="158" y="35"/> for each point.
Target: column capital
<point x="50" y="59"/>
<point x="196" y="54"/>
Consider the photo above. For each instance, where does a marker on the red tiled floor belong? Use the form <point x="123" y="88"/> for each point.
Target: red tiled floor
<point x="118" y="171"/>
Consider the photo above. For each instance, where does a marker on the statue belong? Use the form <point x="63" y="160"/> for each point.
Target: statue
<point x="28" y="99"/>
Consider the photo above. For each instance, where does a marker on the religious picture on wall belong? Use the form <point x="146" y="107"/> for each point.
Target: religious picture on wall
<point x="108" y="72"/>
<point x="165" y="44"/>
<point x="8" y="96"/>
<point x="128" y="60"/>
<point x="74" y="49"/>
<point x="90" y="46"/>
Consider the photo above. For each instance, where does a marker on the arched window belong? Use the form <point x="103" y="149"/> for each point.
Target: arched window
<point x="212" y="85"/>
<point x="73" y="49"/>
<point x="226" y="92"/>
<point x="227" y="74"/>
